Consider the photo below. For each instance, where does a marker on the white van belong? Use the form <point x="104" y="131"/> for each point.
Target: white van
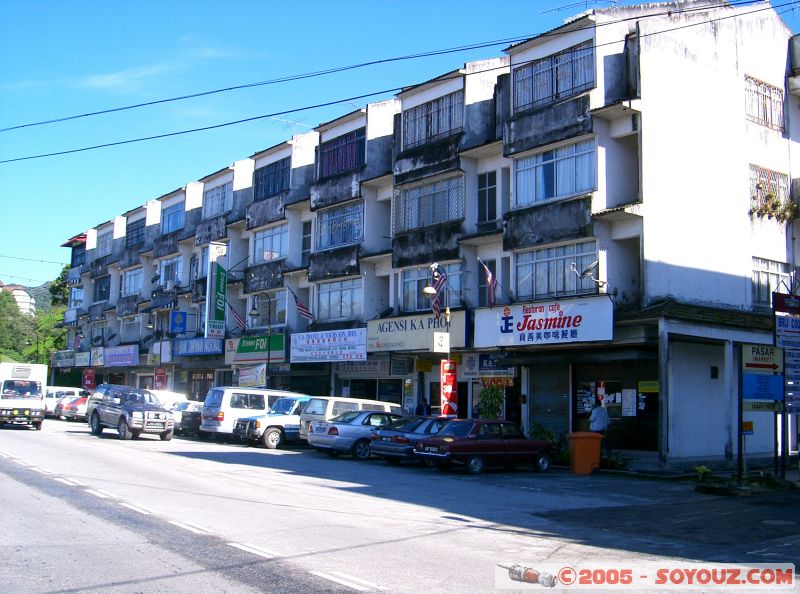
<point x="324" y="408"/>
<point x="224" y="405"/>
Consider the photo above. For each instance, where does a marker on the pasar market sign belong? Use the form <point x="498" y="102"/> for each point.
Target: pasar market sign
<point x="545" y="323"/>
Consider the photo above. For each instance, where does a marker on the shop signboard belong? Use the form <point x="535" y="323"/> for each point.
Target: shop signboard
<point x="88" y="379"/>
<point x="64" y="359"/>
<point x="160" y="378"/>
<point x="545" y="323"/>
<point x="231" y="344"/>
<point x="261" y="349"/>
<point x="366" y="368"/>
<point x="415" y="333"/>
<point x="475" y="365"/>
<point x="216" y="292"/>
<point x="83" y="359"/>
<point x="177" y="322"/>
<point x="330" y="345"/>
<point x="188" y="347"/>
<point x="761" y="358"/>
<point x="253" y="376"/>
<point x="122" y="356"/>
<point x="97" y="356"/>
<point x="760" y="386"/>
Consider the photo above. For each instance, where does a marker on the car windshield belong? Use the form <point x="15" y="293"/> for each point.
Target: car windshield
<point x="456" y="429"/>
<point x="283" y="406"/>
<point x="316" y="406"/>
<point x="213" y="398"/>
<point x="21" y="389"/>
<point x="141" y="396"/>
<point x="346" y="417"/>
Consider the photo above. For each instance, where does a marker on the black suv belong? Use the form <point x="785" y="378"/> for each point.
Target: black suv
<point x="131" y="411"/>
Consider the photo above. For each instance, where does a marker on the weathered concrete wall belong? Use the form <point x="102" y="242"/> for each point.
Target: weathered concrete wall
<point x="211" y="230"/>
<point x="502" y="104"/>
<point x="547" y="223"/>
<point x="265" y="212"/>
<point x="335" y="263"/>
<point x="301" y="180"/>
<point x="166" y="245"/>
<point x="428" y="159"/>
<point x="263" y="277"/>
<point x="130" y="257"/>
<point x="128" y="305"/>
<point x="423" y="246"/>
<point x="546" y="125"/>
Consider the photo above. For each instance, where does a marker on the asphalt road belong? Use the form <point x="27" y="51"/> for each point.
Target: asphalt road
<point x="88" y="514"/>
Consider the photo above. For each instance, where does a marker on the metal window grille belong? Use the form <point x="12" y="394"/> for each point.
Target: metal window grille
<point x="217" y="201"/>
<point x="271" y="179"/>
<point x="433" y="120"/>
<point x="557" y="173"/>
<point x="171" y="271"/>
<point x="340" y="300"/>
<point x="763" y="103"/>
<point x="343" y="153"/>
<point x="765" y="184"/>
<point x="271" y="308"/>
<point x="767" y="276"/>
<point x="172" y="218"/>
<point x="102" y="289"/>
<point x="271" y="244"/>
<point x="134" y="233"/>
<point x="340" y="226"/>
<point x="429" y="204"/>
<point x="555" y="77"/>
<point x="75" y="297"/>
<point x="78" y="255"/>
<point x="104" y="244"/>
<point x="132" y="282"/>
<point x="546" y="273"/>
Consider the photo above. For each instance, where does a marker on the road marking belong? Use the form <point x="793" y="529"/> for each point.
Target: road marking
<point x="332" y="578"/>
<point x="359" y="580"/>
<point x="99" y="494"/>
<point x="43" y="471"/>
<point x="66" y="482"/>
<point x="254" y="549"/>
<point x="190" y="528"/>
<point x="140" y="510"/>
<point x="4" y="455"/>
<point x="22" y="462"/>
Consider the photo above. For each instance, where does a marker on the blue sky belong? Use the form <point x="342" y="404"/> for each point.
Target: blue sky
<point x="61" y="58"/>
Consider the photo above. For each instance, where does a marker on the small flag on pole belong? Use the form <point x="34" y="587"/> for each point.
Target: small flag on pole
<point x="491" y="284"/>
<point x="301" y="307"/>
<point x="237" y="316"/>
<point x="439" y="281"/>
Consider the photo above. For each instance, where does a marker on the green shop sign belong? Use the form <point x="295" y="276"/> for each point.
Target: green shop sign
<point x="260" y="349"/>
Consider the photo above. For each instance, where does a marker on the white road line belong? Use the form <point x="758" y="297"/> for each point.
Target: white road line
<point x="190" y="528"/>
<point x="97" y="493"/>
<point x="22" y="462"/>
<point x="43" y="471"/>
<point x="66" y="481"/>
<point x="140" y="510"/>
<point x="254" y="549"/>
<point x="340" y="581"/>
<point x="4" y="455"/>
<point x="359" y="580"/>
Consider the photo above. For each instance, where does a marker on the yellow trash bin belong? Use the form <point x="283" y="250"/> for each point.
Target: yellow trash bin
<point x="584" y="451"/>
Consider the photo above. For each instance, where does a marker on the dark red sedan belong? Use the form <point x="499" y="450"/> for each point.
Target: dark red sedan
<point x="481" y="443"/>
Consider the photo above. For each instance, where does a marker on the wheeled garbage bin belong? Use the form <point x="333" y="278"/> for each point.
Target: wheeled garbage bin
<point x="584" y="451"/>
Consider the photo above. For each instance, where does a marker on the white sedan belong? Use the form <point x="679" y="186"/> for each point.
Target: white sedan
<point x="350" y="432"/>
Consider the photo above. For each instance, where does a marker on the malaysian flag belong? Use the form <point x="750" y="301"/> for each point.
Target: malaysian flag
<point x="301" y="307"/>
<point x="439" y="281"/>
<point x="238" y="317"/>
<point x="491" y="284"/>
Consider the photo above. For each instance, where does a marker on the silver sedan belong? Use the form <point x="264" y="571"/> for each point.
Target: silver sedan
<point x="350" y="432"/>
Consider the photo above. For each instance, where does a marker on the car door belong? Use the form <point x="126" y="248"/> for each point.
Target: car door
<point x="516" y="445"/>
<point x="490" y="443"/>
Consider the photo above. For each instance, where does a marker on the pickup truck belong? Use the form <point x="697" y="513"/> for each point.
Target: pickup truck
<point x="279" y="425"/>
<point x="131" y="411"/>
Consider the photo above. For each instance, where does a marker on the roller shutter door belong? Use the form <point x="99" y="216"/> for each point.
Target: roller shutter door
<point x="548" y="395"/>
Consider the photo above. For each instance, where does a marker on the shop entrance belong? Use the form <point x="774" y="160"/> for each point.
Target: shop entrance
<point x="200" y="382"/>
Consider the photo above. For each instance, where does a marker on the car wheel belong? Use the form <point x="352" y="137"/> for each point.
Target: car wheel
<point x="123" y="431"/>
<point x="475" y="464"/>
<point x="272" y="439"/>
<point x="95" y="426"/>
<point x="167" y="435"/>
<point x="37" y="426"/>
<point x="362" y="449"/>
<point x="541" y="463"/>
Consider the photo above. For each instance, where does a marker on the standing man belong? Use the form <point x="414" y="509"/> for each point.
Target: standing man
<point x="423" y="408"/>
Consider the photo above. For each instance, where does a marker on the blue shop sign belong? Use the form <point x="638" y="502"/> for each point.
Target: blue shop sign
<point x="187" y="347"/>
<point x="177" y="322"/>
<point x="760" y="386"/>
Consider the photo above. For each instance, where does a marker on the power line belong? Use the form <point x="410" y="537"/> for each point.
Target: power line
<point x="363" y="96"/>
<point x="35" y="280"/>
<point x="337" y="69"/>
<point x="32" y="260"/>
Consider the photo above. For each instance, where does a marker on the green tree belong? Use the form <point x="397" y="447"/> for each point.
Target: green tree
<point x="59" y="290"/>
<point x="15" y="329"/>
<point x="491" y="404"/>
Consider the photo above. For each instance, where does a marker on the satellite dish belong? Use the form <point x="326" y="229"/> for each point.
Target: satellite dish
<point x="386" y="312"/>
<point x="590" y="269"/>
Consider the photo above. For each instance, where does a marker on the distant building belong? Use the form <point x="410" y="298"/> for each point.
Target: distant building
<point x="25" y="302"/>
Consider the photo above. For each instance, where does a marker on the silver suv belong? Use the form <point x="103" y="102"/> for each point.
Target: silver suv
<point x="131" y="411"/>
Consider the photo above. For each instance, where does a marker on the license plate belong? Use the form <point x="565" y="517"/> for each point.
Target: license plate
<point x="432" y="449"/>
<point x="319" y="429"/>
<point x="385" y="438"/>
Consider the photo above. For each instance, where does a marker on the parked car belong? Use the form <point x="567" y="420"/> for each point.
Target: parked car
<point x="324" y="408"/>
<point x="168" y="399"/>
<point x="395" y="443"/>
<point x="481" y="443"/>
<point x="183" y="409"/>
<point x="131" y="411"/>
<point x="54" y="393"/>
<point x="75" y="410"/>
<point x="350" y="432"/>
<point x="63" y="401"/>
<point x="279" y="425"/>
<point x="191" y="420"/>
<point x="224" y="405"/>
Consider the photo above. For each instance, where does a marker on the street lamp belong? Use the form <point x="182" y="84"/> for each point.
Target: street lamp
<point x="254" y="313"/>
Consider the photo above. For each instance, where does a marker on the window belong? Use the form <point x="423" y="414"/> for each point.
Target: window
<point x="763" y="103"/>
<point x="414" y="280"/>
<point x="271" y="179"/>
<point x="767" y="275"/>
<point x="104" y="244"/>
<point x="306" y="247"/>
<point x="78" y="255"/>
<point x="134" y="233"/>
<point x="433" y="120"/>
<point x="102" y="289"/>
<point x="217" y="201"/>
<point x="765" y="184"/>
<point x="429" y="204"/>
<point x="132" y="282"/>
<point x="340" y="225"/>
<point x="343" y="153"/>
<point x="98" y="333"/>
<point x="170" y="271"/>
<point x="271" y="244"/>
<point x="547" y="272"/>
<point x="271" y="308"/>
<point x="487" y="197"/>
<point x="172" y="218"/>
<point x="129" y="328"/>
<point x="483" y="288"/>
<point x="556" y="173"/>
<point x="340" y="300"/>
<point x="555" y="77"/>
<point x="75" y="297"/>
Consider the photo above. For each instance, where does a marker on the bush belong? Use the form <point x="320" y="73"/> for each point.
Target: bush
<point x="491" y="402"/>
